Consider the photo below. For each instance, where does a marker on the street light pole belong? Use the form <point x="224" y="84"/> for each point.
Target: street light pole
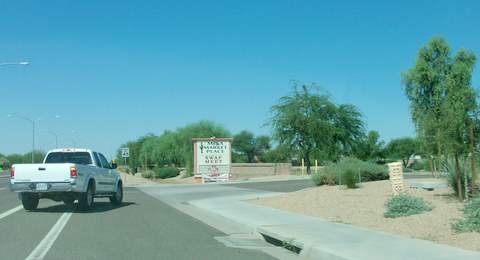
<point x="55" y="134"/>
<point x="33" y="132"/>
<point x="33" y="141"/>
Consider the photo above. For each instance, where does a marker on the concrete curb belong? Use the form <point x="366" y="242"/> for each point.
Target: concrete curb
<point x="321" y="239"/>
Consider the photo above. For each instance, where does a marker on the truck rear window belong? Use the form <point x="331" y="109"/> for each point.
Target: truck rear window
<point x="69" y="157"/>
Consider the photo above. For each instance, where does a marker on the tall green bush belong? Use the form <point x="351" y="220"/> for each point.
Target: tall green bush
<point x="166" y="172"/>
<point x="350" y="178"/>
<point x="325" y="176"/>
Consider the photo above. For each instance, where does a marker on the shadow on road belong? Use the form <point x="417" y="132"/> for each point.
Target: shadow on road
<point x="97" y="208"/>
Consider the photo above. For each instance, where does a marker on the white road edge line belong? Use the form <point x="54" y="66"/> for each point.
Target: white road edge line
<point x="2" y="188"/>
<point x="9" y="212"/>
<point x="47" y="242"/>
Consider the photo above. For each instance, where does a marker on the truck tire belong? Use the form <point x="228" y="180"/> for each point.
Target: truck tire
<point x="117" y="197"/>
<point x="86" y="199"/>
<point x="30" y="201"/>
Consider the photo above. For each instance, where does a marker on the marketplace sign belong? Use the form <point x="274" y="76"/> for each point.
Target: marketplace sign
<point x="212" y="159"/>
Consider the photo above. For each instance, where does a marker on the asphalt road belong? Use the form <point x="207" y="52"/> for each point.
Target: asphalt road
<point x="142" y="228"/>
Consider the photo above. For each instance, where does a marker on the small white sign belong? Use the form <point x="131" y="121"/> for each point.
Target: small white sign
<point x="125" y="152"/>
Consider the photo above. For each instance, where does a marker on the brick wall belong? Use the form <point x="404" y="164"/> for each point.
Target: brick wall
<point x="253" y="170"/>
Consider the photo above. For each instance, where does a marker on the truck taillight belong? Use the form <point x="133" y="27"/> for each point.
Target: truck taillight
<point x="73" y="171"/>
<point x="12" y="172"/>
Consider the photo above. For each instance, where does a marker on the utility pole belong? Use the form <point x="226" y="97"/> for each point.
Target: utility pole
<point x="33" y="132"/>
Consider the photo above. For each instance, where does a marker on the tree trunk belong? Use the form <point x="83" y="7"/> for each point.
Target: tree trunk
<point x="431" y="165"/>
<point x="458" y="175"/>
<point x="307" y="162"/>
<point x="439" y="153"/>
<point x="473" y="160"/>
<point x="405" y="163"/>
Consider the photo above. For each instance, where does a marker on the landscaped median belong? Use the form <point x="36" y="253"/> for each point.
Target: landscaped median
<point x="366" y="207"/>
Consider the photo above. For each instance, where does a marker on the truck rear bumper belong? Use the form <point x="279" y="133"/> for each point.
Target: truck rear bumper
<point x="51" y="187"/>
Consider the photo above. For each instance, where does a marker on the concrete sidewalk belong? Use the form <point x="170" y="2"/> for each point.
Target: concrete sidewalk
<point x="321" y="239"/>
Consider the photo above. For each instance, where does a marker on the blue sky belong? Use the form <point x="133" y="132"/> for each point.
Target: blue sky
<point x="116" y="70"/>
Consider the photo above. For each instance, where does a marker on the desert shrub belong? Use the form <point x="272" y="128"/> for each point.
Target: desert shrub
<point x="350" y="178"/>
<point x="317" y="178"/>
<point x="405" y="205"/>
<point x="166" y="172"/>
<point x="348" y="169"/>
<point x="373" y="172"/>
<point x="148" y="174"/>
<point x="368" y="171"/>
<point x="471" y="217"/>
<point x="325" y="176"/>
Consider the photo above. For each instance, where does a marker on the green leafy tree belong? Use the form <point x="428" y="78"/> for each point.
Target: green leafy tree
<point x="402" y="149"/>
<point x="134" y="160"/>
<point x="38" y="157"/>
<point x="262" y="146"/>
<point x="309" y="122"/>
<point x="279" y="154"/>
<point x="17" y="158"/>
<point x="167" y="150"/>
<point x="425" y="87"/>
<point x="459" y="108"/>
<point x="244" y="146"/>
<point x="202" y="129"/>
<point x="443" y="102"/>
<point x="250" y="148"/>
<point x="369" y="147"/>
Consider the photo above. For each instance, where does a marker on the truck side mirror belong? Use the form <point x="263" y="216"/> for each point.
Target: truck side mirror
<point x="114" y="165"/>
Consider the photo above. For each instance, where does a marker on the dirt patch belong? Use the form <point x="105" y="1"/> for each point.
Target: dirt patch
<point x="365" y="207"/>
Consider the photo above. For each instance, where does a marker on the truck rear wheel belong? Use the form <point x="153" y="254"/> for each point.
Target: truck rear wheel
<point x="30" y="201"/>
<point x="117" y="197"/>
<point x="85" y="201"/>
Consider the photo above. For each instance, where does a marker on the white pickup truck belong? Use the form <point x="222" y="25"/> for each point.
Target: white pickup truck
<point x="67" y="175"/>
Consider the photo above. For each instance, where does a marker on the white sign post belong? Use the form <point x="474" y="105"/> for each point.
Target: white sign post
<point x="212" y="159"/>
<point x="125" y="154"/>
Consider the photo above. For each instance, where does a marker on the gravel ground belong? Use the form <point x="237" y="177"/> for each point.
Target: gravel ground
<point x="365" y="207"/>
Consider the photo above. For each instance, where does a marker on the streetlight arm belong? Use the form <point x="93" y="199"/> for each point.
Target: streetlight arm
<point x="15" y="63"/>
<point x="24" y="118"/>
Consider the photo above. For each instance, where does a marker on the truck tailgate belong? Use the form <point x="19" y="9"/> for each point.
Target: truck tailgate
<point x="42" y="172"/>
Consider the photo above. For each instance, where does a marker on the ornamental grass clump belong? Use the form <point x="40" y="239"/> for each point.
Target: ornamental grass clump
<point x="471" y="217"/>
<point x="405" y="205"/>
<point x="325" y="176"/>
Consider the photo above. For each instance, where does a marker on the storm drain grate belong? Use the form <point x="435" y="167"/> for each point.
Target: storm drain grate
<point x="242" y="241"/>
<point x="279" y="243"/>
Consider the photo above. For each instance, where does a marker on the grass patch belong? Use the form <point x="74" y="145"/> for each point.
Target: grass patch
<point x="405" y="205"/>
